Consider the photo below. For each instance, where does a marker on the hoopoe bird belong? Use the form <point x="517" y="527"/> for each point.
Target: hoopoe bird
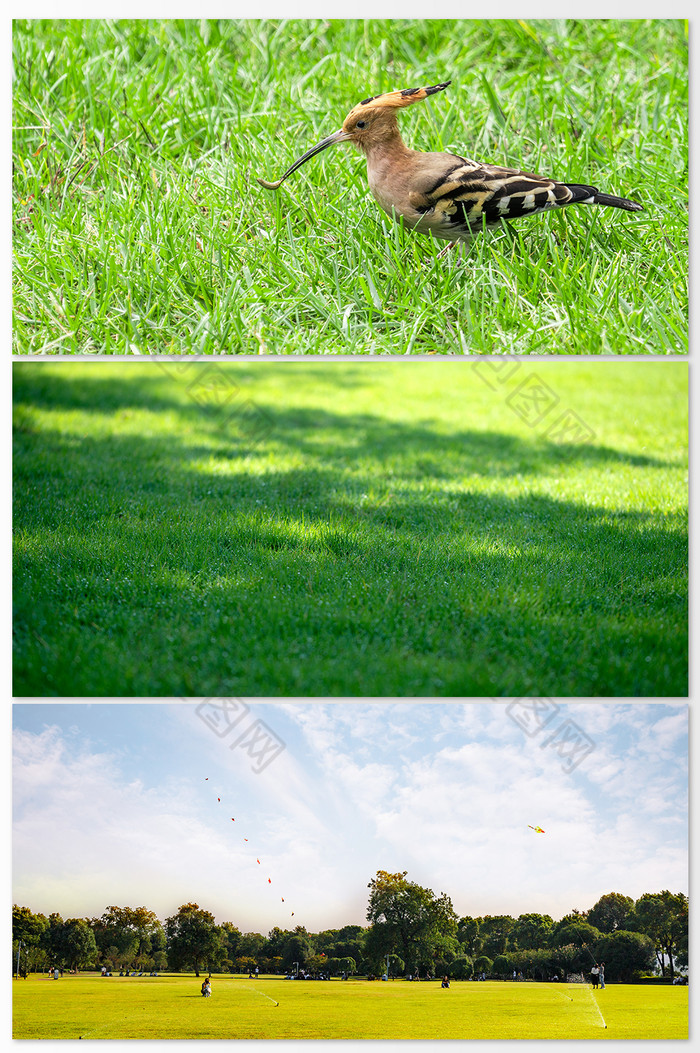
<point x="443" y="194"/>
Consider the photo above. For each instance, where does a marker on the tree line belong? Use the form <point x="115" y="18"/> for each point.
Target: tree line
<point x="410" y="931"/>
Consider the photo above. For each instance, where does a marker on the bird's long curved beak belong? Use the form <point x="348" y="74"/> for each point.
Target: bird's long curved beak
<point x="331" y="140"/>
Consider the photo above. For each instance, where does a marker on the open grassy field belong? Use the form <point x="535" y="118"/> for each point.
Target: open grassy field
<point x="366" y="529"/>
<point x="138" y="224"/>
<point x="171" y="1007"/>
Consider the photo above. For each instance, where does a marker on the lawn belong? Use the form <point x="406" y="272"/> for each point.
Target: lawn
<point x="138" y="226"/>
<point x="171" y="1007"/>
<point x="372" y="529"/>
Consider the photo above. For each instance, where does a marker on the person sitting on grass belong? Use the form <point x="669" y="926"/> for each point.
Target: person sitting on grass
<point x="206" y="987"/>
<point x="445" y="982"/>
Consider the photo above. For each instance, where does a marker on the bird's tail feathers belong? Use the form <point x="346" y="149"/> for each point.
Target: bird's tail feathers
<point x="590" y="195"/>
<point x="617" y="202"/>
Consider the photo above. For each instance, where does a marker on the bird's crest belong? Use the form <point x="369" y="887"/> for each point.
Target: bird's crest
<point x="395" y="100"/>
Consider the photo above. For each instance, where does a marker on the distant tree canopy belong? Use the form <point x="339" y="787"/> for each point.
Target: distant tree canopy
<point x="130" y="934"/>
<point x="580" y="934"/>
<point x="468" y="934"/>
<point x="409" y="920"/>
<point x="611" y="912"/>
<point x="193" y="939"/>
<point x="625" y="954"/>
<point x="494" y="933"/>
<point x="416" y="928"/>
<point x="663" y="916"/>
<point x="531" y="930"/>
<point x="63" y="944"/>
<point x="76" y="946"/>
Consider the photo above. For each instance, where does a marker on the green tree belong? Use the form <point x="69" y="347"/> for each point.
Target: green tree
<point x="76" y="946"/>
<point x="115" y="936"/>
<point x="494" y="931"/>
<point x="147" y="929"/>
<point x="534" y="962"/>
<point x="316" y="963"/>
<point x="625" y="954"/>
<point x="53" y="936"/>
<point x="663" y="916"/>
<point x="531" y="930"/>
<point x="570" y="958"/>
<point x="579" y="933"/>
<point x="349" y="965"/>
<point x="251" y="945"/>
<point x="297" y="949"/>
<point x="193" y="938"/>
<point x="352" y="948"/>
<point x="611" y="912"/>
<point x="460" y="968"/>
<point x="230" y="940"/>
<point x="159" y="949"/>
<point x="468" y="935"/>
<point x="325" y="942"/>
<point x="445" y="951"/>
<point x="572" y="918"/>
<point x="483" y="964"/>
<point x="30" y="931"/>
<point x="275" y="943"/>
<point x="407" y="919"/>
<point x="349" y="943"/>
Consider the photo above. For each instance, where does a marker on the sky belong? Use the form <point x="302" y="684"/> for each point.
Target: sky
<point x="161" y="804"/>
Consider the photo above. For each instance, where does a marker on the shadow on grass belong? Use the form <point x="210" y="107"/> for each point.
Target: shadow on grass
<point x="221" y="408"/>
<point x="178" y="565"/>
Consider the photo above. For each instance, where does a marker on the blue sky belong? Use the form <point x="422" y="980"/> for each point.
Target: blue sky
<point x="117" y="804"/>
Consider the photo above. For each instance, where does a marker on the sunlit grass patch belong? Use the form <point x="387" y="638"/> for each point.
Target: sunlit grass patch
<point x="349" y="530"/>
<point x="171" y="1007"/>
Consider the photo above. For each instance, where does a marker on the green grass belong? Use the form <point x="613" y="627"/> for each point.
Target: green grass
<point x="369" y="529"/>
<point x="138" y="225"/>
<point x="171" y="1007"/>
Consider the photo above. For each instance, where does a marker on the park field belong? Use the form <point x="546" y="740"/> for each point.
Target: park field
<point x="422" y="529"/>
<point x="171" y="1007"/>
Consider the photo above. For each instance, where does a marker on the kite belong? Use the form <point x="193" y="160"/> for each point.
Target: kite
<point x="537" y="829"/>
<point x="245" y="839"/>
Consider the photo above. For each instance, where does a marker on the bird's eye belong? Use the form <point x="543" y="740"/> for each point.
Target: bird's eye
<point x="361" y="124"/>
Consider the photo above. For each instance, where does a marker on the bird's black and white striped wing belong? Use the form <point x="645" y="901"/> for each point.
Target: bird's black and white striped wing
<point x="470" y="195"/>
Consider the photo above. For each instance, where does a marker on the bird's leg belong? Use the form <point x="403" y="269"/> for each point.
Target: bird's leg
<point x="459" y="245"/>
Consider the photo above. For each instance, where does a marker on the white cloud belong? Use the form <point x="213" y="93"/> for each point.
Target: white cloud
<point x="445" y="792"/>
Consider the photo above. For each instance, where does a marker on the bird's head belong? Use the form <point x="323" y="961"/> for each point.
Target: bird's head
<point x="372" y="121"/>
